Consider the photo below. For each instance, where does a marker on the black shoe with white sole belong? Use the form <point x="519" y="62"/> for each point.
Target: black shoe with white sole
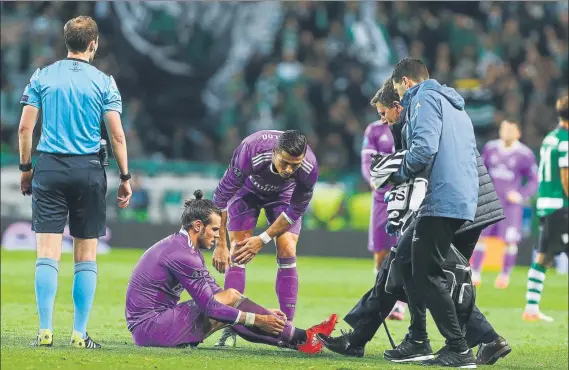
<point x="341" y="344"/>
<point x="410" y="351"/>
<point x="491" y="352"/>
<point x="449" y="358"/>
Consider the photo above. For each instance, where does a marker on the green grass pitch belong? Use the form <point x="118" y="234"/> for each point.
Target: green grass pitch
<point x="327" y="285"/>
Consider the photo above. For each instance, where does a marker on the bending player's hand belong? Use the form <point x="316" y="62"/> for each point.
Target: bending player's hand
<point x="269" y="324"/>
<point x="26" y="182"/>
<point x="221" y="260"/>
<point x="124" y="193"/>
<point x="281" y="315"/>
<point x="246" y="249"/>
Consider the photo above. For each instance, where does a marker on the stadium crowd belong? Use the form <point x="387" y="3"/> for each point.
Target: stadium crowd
<point x="509" y="60"/>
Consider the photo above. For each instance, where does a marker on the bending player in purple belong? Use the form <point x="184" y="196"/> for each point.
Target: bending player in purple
<point x="275" y="171"/>
<point x="174" y="264"/>
<point x="508" y="162"/>
<point x="378" y="139"/>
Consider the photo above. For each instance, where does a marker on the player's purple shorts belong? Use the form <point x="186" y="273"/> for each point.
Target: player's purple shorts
<point x="378" y="239"/>
<point x="509" y="229"/>
<point x="182" y="324"/>
<point x="244" y="208"/>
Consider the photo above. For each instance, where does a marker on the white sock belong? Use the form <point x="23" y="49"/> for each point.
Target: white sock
<point x="475" y="275"/>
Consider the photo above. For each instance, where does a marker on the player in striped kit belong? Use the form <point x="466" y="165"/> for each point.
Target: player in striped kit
<point x="552" y="209"/>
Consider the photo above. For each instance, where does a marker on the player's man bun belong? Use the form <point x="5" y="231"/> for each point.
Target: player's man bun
<point x="198" y="208"/>
<point x="198" y="194"/>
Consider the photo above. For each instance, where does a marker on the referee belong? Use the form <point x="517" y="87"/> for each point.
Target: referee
<point x="68" y="179"/>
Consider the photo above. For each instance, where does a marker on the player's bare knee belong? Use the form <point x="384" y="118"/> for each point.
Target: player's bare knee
<point x="286" y="245"/>
<point x="236" y="237"/>
<point x="381" y="255"/>
<point x="235" y="296"/>
<point x="49" y="245"/>
<point x="545" y="259"/>
<point x="84" y="249"/>
<point x="539" y="258"/>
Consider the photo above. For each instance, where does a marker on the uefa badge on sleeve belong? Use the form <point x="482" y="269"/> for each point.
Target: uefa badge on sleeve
<point x="238" y="173"/>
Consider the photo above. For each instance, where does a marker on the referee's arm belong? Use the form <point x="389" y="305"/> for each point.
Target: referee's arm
<point x="26" y="131"/>
<point x="118" y="140"/>
<point x="112" y="108"/>
<point x="31" y="100"/>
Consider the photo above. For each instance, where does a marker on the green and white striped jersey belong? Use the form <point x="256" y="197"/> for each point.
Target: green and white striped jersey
<point x="553" y="157"/>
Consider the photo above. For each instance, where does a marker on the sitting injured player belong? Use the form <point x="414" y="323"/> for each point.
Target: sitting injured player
<point x="156" y="318"/>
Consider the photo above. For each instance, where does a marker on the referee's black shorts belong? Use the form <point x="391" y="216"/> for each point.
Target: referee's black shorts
<point x="69" y="185"/>
<point x="553" y="233"/>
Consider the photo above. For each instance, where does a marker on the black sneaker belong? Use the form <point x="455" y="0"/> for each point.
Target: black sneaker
<point x="450" y="358"/>
<point x="491" y="352"/>
<point x="227" y="334"/>
<point x="91" y="344"/>
<point x="410" y="351"/>
<point x="440" y="351"/>
<point x="341" y="344"/>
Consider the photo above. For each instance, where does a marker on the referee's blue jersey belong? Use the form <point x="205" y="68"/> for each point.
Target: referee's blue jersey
<point x="73" y="96"/>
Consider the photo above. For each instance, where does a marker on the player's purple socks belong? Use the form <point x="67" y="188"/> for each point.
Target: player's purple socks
<point x="287" y="285"/>
<point x="235" y="278"/>
<point x="510" y="256"/>
<point x="256" y="335"/>
<point x="477" y="257"/>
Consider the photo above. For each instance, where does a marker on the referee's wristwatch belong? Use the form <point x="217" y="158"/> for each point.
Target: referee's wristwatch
<point x="125" y="177"/>
<point x="26" y="167"/>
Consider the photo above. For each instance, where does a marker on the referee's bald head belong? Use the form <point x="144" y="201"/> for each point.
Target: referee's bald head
<point x="81" y="34"/>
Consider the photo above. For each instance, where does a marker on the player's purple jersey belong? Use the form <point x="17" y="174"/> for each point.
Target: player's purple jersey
<point x="509" y="166"/>
<point x="251" y="168"/>
<point x="378" y="139"/>
<point x="161" y="275"/>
